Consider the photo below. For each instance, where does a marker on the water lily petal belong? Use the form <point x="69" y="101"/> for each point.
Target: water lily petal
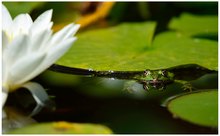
<point x="52" y="56"/>
<point x="71" y="32"/>
<point x="22" y="70"/>
<point x="57" y="51"/>
<point x="6" y="18"/>
<point x="39" y="94"/>
<point x="42" y="22"/>
<point x="4" y="74"/>
<point x="4" y="96"/>
<point x="39" y="42"/>
<point x="29" y="48"/>
<point x="16" y="49"/>
<point x="67" y="31"/>
<point x="22" y="24"/>
<point x="5" y="40"/>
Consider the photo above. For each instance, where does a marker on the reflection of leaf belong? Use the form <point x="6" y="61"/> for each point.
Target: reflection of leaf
<point x="195" y="25"/>
<point x="128" y="47"/>
<point x="63" y="128"/>
<point x="16" y="8"/>
<point x="200" y="108"/>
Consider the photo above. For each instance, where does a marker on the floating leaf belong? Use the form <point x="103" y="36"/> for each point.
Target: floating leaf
<point x="195" y="25"/>
<point x="63" y="128"/>
<point x="177" y="49"/>
<point x="199" y="108"/>
<point x="128" y="47"/>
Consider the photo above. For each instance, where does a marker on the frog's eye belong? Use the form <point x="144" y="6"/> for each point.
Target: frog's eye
<point x="147" y="72"/>
<point x="164" y="73"/>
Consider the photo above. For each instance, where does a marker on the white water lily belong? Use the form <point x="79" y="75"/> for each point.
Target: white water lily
<point x="29" y="48"/>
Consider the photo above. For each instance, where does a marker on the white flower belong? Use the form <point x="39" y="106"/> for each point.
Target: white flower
<point x="29" y="48"/>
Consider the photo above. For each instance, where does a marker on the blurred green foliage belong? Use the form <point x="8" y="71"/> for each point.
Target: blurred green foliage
<point x="16" y="8"/>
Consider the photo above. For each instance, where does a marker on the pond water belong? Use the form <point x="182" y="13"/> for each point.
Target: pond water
<point x="111" y="103"/>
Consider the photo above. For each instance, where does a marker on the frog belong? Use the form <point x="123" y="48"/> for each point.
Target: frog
<point x="150" y="79"/>
<point x="155" y="79"/>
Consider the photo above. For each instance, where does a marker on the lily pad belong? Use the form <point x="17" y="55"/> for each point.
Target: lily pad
<point x="195" y="25"/>
<point x="129" y="47"/>
<point x="200" y="108"/>
<point x="63" y="128"/>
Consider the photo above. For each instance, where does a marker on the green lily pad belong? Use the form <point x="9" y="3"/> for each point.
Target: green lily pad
<point x="200" y="108"/>
<point x="195" y="25"/>
<point x="128" y="47"/>
<point x="63" y="128"/>
<point x="179" y="49"/>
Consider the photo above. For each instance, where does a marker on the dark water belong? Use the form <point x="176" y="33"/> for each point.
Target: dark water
<point x="94" y="100"/>
<point x="108" y="102"/>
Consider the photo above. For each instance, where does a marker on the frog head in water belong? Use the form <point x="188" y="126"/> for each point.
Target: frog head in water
<point x="156" y="79"/>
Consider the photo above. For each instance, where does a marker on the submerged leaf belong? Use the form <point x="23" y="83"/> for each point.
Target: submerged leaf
<point x="199" y="108"/>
